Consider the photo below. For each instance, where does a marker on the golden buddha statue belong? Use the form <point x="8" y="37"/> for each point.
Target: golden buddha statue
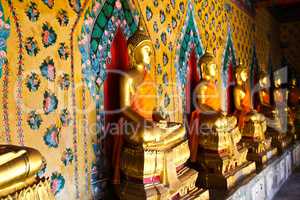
<point x="18" y="169"/>
<point x="153" y="154"/>
<point x="252" y="124"/>
<point x="215" y="142"/>
<point x="277" y="123"/>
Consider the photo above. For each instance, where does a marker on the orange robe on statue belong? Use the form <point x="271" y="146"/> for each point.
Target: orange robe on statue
<point x="246" y="109"/>
<point x="143" y="103"/>
<point x="212" y="99"/>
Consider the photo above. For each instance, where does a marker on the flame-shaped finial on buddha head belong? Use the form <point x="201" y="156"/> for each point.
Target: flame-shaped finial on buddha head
<point x="208" y="66"/>
<point x="140" y="48"/>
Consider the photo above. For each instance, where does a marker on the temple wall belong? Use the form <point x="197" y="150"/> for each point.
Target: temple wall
<point x="53" y="111"/>
<point x="289" y="36"/>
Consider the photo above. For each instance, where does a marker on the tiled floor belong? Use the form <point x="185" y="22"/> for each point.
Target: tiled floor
<point x="291" y="189"/>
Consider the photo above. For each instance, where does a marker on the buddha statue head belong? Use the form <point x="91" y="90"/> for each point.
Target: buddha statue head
<point x="140" y="49"/>
<point x="293" y="82"/>
<point x="241" y="74"/>
<point x="208" y="66"/>
<point x="264" y="80"/>
<point x="277" y="79"/>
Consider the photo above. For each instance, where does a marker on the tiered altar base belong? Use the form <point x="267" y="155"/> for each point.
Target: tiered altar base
<point x="266" y="183"/>
<point x="260" y="157"/>
<point x="187" y="190"/>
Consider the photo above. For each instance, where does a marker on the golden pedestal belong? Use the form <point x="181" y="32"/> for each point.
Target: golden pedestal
<point x="254" y="137"/>
<point x="217" y="175"/>
<point x="222" y="158"/>
<point x="280" y="140"/>
<point x="261" y="158"/>
<point x="39" y="191"/>
<point x="148" y="173"/>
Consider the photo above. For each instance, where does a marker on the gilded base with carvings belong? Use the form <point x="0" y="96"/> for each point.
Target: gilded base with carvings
<point x="39" y="191"/>
<point x="219" y="172"/>
<point x="280" y="140"/>
<point x="146" y="175"/>
<point x="254" y="137"/>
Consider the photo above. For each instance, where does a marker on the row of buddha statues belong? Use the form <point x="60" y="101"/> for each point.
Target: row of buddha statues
<point x="159" y="159"/>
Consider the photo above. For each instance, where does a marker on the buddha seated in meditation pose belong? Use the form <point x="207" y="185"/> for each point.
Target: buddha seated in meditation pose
<point x="215" y="137"/>
<point x="276" y="123"/>
<point x="252" y="124"/>
<point x="18" y="170"/>
<point x="154" y="154"/>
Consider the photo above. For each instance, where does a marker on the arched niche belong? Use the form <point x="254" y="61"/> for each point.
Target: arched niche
<point x="189" y="50"/>
<point x="227" y="74"/>
<point x="103" y="49"/>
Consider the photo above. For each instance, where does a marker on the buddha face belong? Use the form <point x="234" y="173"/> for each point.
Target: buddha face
<point x="212" y="70"/>
<point x="143" y="54"/>
<point x="264" y="81"/>
<point x="294" y="82"/>
<point x="244" y="75"/>
<point x="277" y="82"/>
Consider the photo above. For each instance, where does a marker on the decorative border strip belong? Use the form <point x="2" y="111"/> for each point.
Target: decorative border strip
<point x="5" y="32"/>
<point x="75" y="133"/>
<point x="5" y="104"/>
<point x="224" y="74"/>
<point x="95" y="49"/>
<point x="19" y="75"/>
<point x="85" y="136"/>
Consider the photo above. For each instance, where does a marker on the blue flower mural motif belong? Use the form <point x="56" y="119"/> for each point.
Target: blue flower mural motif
<point x="174" y="22"/>
<point x="165" y="59"/>
<point x="51" y="137"/>
<point x="50" y="102"/>
<point x="163" y="38"/>
<point x="33" y="82"/>
<point x="48" y="35"/>
<point x="65" y="118"/>
<point x="162" y="16"/>
<point x="67" y="156"/>
<point x="64" y="81"/>
<point x="48" y="69"/>
<point x="155" y="26"/>
<point x="32" y="12"/>
<point x="148" y="13"/>
<point x="57" y="183"/>
<point x="49" y="3"/>
<point x="31" y="46"/>
<point x="4" y="34"/>
<point x="34" y="120"/>
<point x="173" y="3"/>
<point x="62" y="17"/>
<point x="63" y="51"/>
